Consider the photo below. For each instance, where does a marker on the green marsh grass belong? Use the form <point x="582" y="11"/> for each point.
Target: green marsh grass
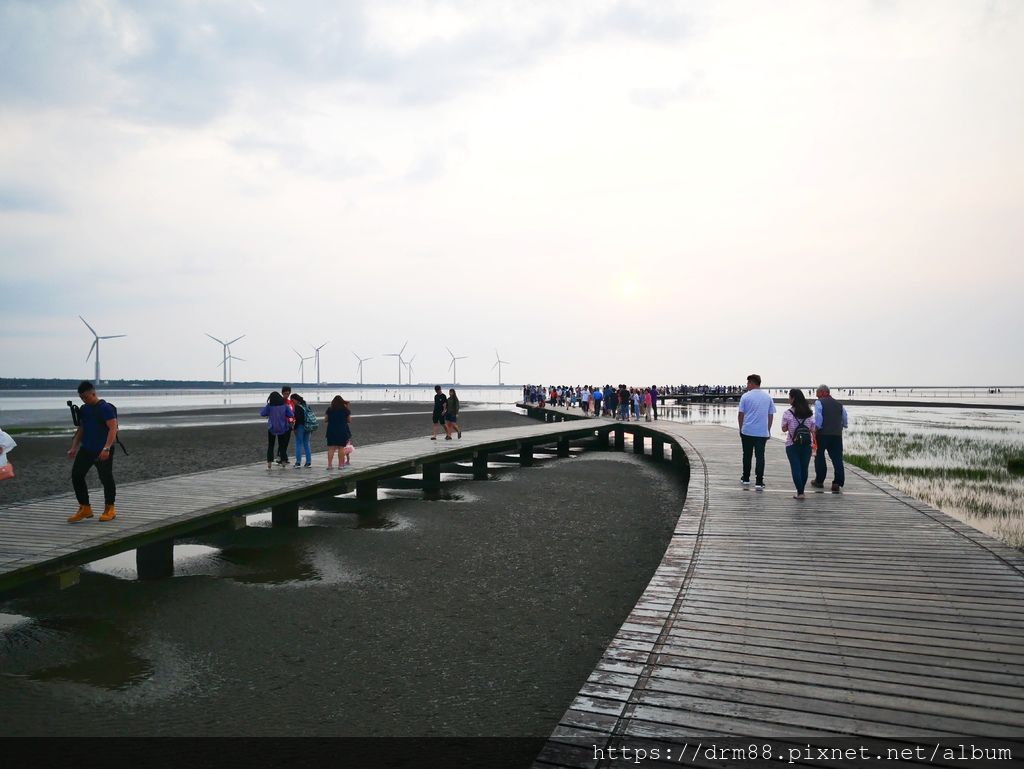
<point x="965" y="472"/>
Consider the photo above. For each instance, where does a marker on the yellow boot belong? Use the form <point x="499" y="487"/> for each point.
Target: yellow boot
<point x="84" y="511"/>
<point x="109" y="513"/>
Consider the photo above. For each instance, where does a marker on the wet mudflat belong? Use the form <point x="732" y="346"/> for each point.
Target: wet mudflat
<point x="481" y="614"/>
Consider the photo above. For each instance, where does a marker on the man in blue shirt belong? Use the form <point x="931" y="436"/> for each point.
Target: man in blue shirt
<point x="830" y="419"/>
<point x="756" y="414"/>
<point x="654" y="400"/>
<point x="93" y="445"/>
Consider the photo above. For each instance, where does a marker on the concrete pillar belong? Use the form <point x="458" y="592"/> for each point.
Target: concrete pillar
<point x="67" y="578"/>
<point x="366" y="491"/>
<point x="657" y="448"/>
<point x="638" y="442"/>
<point x="679" y="458"/>
<point x="620" y="439"/>
<point x="526" y="456"/>
<point x="480" y="466"/>
<point x="431" y="479"/>
<point x="285" y="515"/>
<point x="156" y="561"/>
<point x="602" y="440"/>
<point x="563" y="447"/>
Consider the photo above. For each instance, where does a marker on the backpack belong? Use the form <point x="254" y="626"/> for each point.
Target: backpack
<point x="311" y="422"/>
<point x="802" y="433"/>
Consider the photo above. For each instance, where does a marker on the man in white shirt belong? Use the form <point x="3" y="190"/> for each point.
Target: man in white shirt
<point x="756" y="414"/>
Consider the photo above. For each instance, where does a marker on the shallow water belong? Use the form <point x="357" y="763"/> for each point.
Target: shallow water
<point x="481" y="614"/>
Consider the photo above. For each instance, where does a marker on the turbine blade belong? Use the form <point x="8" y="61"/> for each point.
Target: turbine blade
<point x="113" y="336"/>
<point x="215" y="339"/>
<point x="234" y="340"/>
<point x="357" y="357"/>
<point x="403" y="347"/>
<point x="95" y="342"/>
<point x="88" y="326"/>
<point x="495" y="365"/>
<point x="449" y="349"/>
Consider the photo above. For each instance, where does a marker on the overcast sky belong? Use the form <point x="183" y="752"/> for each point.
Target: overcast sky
<point x="603" y="191"/>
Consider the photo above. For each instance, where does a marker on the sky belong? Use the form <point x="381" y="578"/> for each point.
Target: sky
<point x="600" y="191"/>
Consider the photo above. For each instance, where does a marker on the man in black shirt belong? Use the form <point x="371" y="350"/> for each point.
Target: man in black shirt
<point x="440" y="407"/>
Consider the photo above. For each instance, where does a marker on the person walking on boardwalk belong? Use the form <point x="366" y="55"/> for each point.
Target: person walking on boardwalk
<point x="440" y="404"/>
<point x="299" y="407"/>
<point x="647" y="404"/>
<point x="799" y="427"/>
<point x="279" y="417"/>
<point x="452" y="415"/>
<point x="93" y="445"/>
<point x="756" y="414"/>
<point x="339" y="432"/>
<point x="654" y="400"/>
<point x="830" y="419"/>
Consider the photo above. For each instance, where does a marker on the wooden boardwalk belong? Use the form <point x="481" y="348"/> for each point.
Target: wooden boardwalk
<point x="36" y="542"/>
<point x="865" y="614"/>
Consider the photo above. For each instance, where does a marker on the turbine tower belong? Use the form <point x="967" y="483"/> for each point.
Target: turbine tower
<point x="231" y="368"/>
<point x="408" y="369"/>
<point x="302" y="364"/>
<point x="497" y="363"/>
<point x="400" y="361"/>
<point x="316" y="353"/>
<point x="96" y="346"/>
<point x="359" y="368"/>
<point x="452" y="367"/>
<point x="225" y="361"/>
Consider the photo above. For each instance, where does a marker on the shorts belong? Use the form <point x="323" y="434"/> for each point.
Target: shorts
<point x="438" y="418"/>
<point x="453" y="418"/>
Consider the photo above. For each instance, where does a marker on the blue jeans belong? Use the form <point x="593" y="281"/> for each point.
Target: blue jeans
<point x="799" y="463"/>
<point x="302" y="443"/>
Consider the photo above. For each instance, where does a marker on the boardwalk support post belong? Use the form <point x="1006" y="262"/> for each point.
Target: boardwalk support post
<point x="156" y="560"/>
<point x="657" y="448"/>
<point x="67" y="578"/>
<point x="285" y="515"/>
<point x="638" y="442"/>
<point x="526" y="455"/>
<point x="480" y="466"/>
<point x="432" y="480"/>
<point x="602" y="440"/>
<point x="563" y="447"/>
<point x="620" y="439"/>
<point x="366" y="491"/>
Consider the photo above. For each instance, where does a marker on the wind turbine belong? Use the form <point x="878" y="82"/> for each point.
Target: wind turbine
<point x="408" y="368"/>
<point x="452" y="367"/>
<point x="497" y="363"/>
<point x="96" y="346"/>
<point x="316" y="353"/>
<point x="359" y="368"/>
<point x="227" y="355"/>
<point x="400" y="361"/>
<point x="302" y="364"/>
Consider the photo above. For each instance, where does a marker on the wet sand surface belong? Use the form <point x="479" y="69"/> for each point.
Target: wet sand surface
<point x="478" y="615"/>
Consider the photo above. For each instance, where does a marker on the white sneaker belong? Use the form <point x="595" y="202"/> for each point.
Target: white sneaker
<point x="759" y="487"/>
<point x="744" y="483"/>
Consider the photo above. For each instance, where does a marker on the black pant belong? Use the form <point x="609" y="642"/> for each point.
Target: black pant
<point x="654" y="405"/>
<point x="83" y="461"/>
<point x="282" y="446"/>
<point x="833" y="444"/>
<point x="753" y="445"/>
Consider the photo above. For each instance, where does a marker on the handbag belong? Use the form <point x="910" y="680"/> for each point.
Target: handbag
<point x="7" y="471"/>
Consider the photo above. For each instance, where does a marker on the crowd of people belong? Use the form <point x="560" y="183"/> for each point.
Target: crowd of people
<point x="621" y="402"/>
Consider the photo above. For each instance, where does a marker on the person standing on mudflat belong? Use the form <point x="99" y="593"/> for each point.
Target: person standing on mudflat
<point x="93" y="445"/>
<point x="440" y="406"/>
<point x="831" y="419"/>
<point x="756" y="413"/>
